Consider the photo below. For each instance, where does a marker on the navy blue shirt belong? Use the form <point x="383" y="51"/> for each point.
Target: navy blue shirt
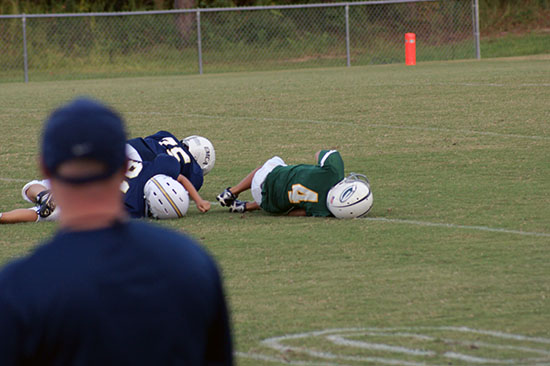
<point x="130" y="294"/>
<point x="163" y="142"/>
<point x="138" y="174"/>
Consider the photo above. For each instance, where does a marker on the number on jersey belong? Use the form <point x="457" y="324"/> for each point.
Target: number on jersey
<point x="134" y="168"/>
<point x="172" y="149"/>
<point x="300" y="193"/>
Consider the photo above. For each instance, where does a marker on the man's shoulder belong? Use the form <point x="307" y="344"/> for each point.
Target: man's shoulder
<point x="167" y="243"/>
<point x="142" y="229"/>
<point x="11" y="270"/>
<point x="20" y="272"/>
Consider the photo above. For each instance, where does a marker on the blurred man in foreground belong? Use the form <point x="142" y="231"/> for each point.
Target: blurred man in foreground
<point x="106" y="289"/>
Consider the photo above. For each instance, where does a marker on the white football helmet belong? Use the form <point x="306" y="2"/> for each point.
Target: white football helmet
<point x="202" y="150"/>
<point x="351" y="197"/>
<point x="165" y="198"/>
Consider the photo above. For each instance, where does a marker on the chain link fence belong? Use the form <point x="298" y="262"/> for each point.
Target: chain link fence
<point x="76" y="46"/>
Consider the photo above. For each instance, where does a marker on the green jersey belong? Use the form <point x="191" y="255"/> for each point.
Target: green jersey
<point x="303" y="186"/>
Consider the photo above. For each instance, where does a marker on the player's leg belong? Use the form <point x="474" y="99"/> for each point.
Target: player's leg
<point x="244" y="184"/>
<point x="32" y="189"/>
<point x="254" y="181"/>
<point x="242" y="206"/>
<point x="230" y="194"/>
<point x="38" y="192"/>
<point x="19" y="215"/>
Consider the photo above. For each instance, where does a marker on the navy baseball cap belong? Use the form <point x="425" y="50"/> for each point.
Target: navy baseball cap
<point x="84" y="129"/>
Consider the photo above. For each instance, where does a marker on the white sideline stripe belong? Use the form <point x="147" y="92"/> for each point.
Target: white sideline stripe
<point x="458" y="356"/>
<point x="444" y="225"/>
<point x="13" y="180"/>
<point x="454" y="226"/>
<point x="275" y="343"/>
<point x="339" y="340"/>
<point x="493" y="333"/>
<point x="256" y="356"/>
<point x="374" y="125"/>
<point x="465" y="343"/>
<point x="410" y="222"/>
<point x="484" y="84"/>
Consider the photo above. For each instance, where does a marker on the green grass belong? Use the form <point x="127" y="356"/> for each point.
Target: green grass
<point x="516" y="45"/>
<point x="54" y="65"/>
<point x="459" y="143"/>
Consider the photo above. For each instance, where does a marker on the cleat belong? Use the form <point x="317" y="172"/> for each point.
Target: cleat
<point x="238" y="206"/>
<point x="226" y="198"/>
<point x="45" y="203"/>
<point x="43" y="197"/>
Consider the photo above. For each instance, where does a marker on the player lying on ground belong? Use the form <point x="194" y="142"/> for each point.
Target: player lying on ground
<point x="160" y="166"/>
<point x="157" y="189"/>
<point x="151" y="189"/>
<point x="196" y="158"/>
<point x="195" y="154"/>
<point x="154" y="178"/>
<point x="303" y="189"/>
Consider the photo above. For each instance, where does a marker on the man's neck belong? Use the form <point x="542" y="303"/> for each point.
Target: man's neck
<point x="90" y="220"/>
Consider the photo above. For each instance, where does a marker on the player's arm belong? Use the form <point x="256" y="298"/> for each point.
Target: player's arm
<point x="19" y="215"/>
<point x="202" y="205"/>
<point x="332" y="160"/>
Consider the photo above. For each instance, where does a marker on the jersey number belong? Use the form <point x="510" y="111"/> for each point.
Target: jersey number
<point x="300" y="193"/>
<point x="134" y="168"/>
<point x="174" y="150"/>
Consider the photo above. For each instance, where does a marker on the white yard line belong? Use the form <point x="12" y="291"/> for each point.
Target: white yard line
<point x="456" y="226"/>
<point x="403" y="221"/>
<point x="260" y="357"/>
<point x="14" y="180"/>
<point x="390" y="352"/>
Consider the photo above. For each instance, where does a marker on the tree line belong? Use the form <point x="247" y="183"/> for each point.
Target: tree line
<point x="76" y="6"/>
<point x="494" y="14"/>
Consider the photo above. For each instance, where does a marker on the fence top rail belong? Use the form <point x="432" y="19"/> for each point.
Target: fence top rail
<point x="207" y="10"/>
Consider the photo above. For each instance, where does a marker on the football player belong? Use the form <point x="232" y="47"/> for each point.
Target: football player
<point x="140" y="172"/>
<point x="163" y="142"/>
<point x="303" y="189"/>
<point x="139" y="149"/>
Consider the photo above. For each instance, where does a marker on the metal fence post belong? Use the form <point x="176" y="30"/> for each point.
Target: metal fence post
<point x="199" y="41"/>
<point x="25" y="60"/>
<point x="475" y="11"/>
<point x="347" y="37"/>
<point x="373" y="21"/>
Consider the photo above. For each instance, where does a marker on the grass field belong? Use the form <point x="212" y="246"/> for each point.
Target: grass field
<point x="452" y="265"/>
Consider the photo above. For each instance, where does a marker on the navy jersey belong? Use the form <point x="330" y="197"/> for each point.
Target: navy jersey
<point x="138" y="174"/>
<point x="163" y="142"/>
<point x="130" y="294"/>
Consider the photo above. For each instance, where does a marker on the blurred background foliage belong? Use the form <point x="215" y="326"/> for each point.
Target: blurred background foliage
<point x="496" y="16"/>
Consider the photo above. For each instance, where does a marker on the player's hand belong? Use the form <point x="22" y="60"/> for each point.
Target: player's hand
<point x="203" y="206"/>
